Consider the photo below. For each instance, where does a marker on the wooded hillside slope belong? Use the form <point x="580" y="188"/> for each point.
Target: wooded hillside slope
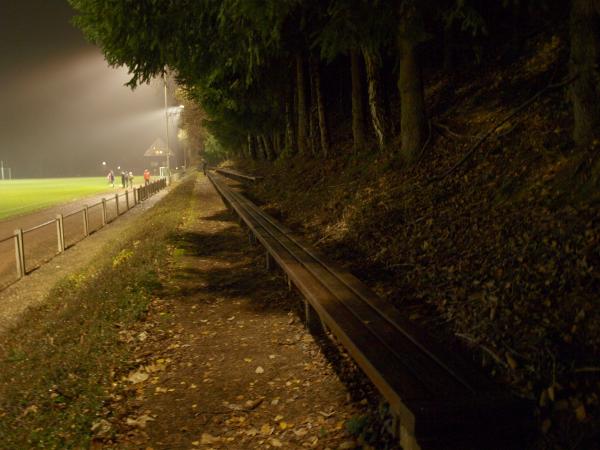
<point x="499" y="254"/>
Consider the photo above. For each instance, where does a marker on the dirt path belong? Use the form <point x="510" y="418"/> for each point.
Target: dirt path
<point x="33" y="289"/>
<point x="222" y="361"/>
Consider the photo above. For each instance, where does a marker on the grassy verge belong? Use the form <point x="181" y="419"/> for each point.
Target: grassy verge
<point x="56" y="366"/>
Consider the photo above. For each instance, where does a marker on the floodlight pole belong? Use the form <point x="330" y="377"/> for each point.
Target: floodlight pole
<point x="167" y="125"/>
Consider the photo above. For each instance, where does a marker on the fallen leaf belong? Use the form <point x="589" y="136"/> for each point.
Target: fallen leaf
<point x="267" y="429"/>
<point x="139" y="422"/>
<point x="30" y="410"/>
<point x="207" y="439"/>
<point x="138" y="377"/>
<point x="101" y="428"/>
<point x="251" y="404"/>
<point x="275" y="443"/>
<point x="580" y="413"/>
<point x="259" y="369"/>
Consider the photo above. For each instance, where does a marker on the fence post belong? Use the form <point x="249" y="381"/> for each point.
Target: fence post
<point x="103" y="211"/>
<point x="117" y="202"/>
<point x="86" y="222"/>
<point x="127" y="200"/>
<point x="60" y="233"/>
<point x="20" y="253"/>
<point x="135" y="202"/>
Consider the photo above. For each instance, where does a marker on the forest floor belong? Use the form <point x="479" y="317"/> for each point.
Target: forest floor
<point x="492" y="244"/>
<point x="176" y="336"/>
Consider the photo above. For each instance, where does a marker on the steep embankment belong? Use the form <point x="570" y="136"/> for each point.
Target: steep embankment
<point x="493" y="244"/>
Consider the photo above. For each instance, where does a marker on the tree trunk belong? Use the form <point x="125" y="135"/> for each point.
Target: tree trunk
<point x="277" y="144"/>
<point x="260" y="147"/>
<point x="585" y="52"/>
<point x="410" y="84"/>
<point x="373" y="68"/>
<point x="251" y="148"/>
<point x="290" y="141"/>
<point x="324" y="132"/>
<point x="449" y="45"/>
<point x="267" y="147"/>
<point x="358" y="115"/>
<point x="313" y="120"/>
<point x="301" y="103"/>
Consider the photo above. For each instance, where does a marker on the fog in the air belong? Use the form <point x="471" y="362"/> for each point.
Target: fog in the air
<point x="63" y="111"/>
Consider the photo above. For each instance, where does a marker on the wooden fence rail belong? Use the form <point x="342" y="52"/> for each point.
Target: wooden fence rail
<point x="77" y="229"/>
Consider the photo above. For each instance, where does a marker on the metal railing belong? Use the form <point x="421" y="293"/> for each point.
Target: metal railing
<point x="37" y="245"/>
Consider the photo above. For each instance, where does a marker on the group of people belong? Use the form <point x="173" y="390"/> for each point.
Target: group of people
<point x="127" y="178"/>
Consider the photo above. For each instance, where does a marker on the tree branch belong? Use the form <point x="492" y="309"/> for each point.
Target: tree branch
<point x="491" y="131"/>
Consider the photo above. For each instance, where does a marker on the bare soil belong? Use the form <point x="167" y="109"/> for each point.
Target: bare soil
<point x="222" y="360"/>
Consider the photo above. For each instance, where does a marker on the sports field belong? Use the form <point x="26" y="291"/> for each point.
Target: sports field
<point x="23" y="196"/>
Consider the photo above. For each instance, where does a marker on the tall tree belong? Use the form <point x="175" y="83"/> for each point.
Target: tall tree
<point x="358" y="114"/>
<point x="411" y="34"/>
<point x="585" y="57"/>
<point x="323" y="129"/>
<point x="301" y="104"/>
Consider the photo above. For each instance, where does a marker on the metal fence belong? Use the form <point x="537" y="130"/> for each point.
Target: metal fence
<point x="28" y="249"/>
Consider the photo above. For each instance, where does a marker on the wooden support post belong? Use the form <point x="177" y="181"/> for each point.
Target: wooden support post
<point x="20" y="253"/>
<point x="269" y="262"/>
<point x="127" y="200"/>
<point x="103" y="211"/>
<point x="389" y="418"/>
<point x="60" y="233"/>
<point x="86" y="221"/>
<point x="312" y="320"/>
<point x="117" y="203"/>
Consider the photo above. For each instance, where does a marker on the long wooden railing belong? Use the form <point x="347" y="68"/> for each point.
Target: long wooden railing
<point x="438" y="399"/>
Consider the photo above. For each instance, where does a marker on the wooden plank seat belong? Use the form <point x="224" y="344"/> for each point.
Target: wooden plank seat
<point x="439" y="400"/>
<point x="235" y="175"/>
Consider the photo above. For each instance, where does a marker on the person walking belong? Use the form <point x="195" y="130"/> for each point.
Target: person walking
<point x="123" y="178"/>
<point x="146" y="177"/>
<point x="130" y="177"/>
<point x="111" y="178"/>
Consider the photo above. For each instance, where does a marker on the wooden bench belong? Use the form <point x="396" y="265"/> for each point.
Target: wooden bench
<point x="437" y="399"/>
<point x="235" y="175"/>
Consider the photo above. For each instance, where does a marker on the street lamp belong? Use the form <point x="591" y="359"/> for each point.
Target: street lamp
<point x="167" y="127"/>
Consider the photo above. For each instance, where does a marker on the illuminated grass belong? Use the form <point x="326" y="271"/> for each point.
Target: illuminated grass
<point x="23" y="196"/>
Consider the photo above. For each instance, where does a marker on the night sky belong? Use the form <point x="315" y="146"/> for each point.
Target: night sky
<point x="63" y="110"/>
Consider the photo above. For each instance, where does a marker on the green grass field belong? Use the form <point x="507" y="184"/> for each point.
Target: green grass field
<point x="23" y="196"/>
